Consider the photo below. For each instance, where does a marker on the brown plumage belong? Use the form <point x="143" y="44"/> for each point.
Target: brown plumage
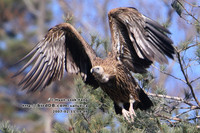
<point x="137" y="41"/>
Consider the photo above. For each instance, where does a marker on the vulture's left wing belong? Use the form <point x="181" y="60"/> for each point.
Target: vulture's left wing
<point x="137" y="40"/>
<point x="62" y="48"/>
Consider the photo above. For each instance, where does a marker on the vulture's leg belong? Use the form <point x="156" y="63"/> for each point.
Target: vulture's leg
<point x="125" y="113"/>
<point x="131" y="110"/>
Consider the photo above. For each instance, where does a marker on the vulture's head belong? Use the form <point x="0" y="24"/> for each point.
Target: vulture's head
<point x="99" y="74"/>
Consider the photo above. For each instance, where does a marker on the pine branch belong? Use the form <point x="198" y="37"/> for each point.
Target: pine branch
<point x="168" y="117"/>
<point x="167" y="109"/>
<point x="6" y="127"/>
<point x="173" y="98"/>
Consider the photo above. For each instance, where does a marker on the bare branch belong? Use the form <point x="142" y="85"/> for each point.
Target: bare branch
<point x="70" y="11"/>
<point x="168" y="117"/>
<point x="31" y="7"/>
<point x="41" y="19"/>
<point x="186" y="48"/>
<point x="183" y="113"/>
<point x="191" y="4"/>
<point x="194" y="118"/>
<point x="188" y="13"/>
<point x="168" y="74"/>
<point x="186" y="78"/>
<point x="194" y="80"/>
<point x="173" y="98"/>
<point x="65" y="7"/>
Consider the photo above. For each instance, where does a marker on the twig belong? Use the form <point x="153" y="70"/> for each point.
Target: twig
<point x="169" y="118"/>
<point x="186" y="78"/>
<point x="189" y="47"/>
<point x="197" y="117"/>
<point x="187" y="12"/>
<point x="172" y="123"/>
<point x="31" y="8"/>
<point x="174" y="98"/>
<point x="194" y="80"/>
<point x="190" y="107"/>
<point x="189" y="64"/>
<point x="85" y="118"/>
<point x="168" y="74"/>
<point x="191" y="4"/>
<point x="183" y="113"/>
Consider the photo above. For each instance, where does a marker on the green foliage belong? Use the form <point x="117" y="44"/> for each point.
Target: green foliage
<point x="180" y="128"/>
<point x="184" y="45"/>
<point x="197" y="53"/>
<point x="96" y="118"/>
<point x="58" y="128"/>
<point x="33" y="116"/>
<point x="96" y="43"/>
<point x="100" y="116"/>
<point x="177" y="6"/>
<point x="69" y="18"/>
<point x="6" y="127"/>
<point x="99" y="112"/>
<point x="197" y="26"/>
<point x="15" y="50"/>
<point x="144" y="80"/>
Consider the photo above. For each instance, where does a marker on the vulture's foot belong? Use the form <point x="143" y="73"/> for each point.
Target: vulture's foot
<point x="128" y="115"/>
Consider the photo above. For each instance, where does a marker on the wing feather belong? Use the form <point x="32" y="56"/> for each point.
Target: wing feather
<point x="137" y="40"/>
<point x="63" y="48"/>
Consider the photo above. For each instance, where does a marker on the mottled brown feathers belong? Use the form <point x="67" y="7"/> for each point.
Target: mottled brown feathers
<point x="122" y="86"/>
<point x="137" y="42"/>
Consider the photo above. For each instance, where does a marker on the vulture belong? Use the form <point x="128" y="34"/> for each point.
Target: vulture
<point x="137" y="41"/>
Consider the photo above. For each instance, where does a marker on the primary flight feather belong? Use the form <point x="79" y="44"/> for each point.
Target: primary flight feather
<point x="137" y="41"/>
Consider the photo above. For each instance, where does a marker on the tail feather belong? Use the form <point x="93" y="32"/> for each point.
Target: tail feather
<point x="145" y="103"/>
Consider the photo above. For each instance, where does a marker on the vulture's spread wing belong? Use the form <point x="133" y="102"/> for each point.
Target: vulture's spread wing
<point x="62" y="48"/>
<point x="137" y="40"/>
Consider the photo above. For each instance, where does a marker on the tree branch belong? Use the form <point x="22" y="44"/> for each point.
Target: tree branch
<point x="31" y="7"/>
<point x="194" y="80"/>
<point x="169" y="118"/>
<point x="186" y="78"/>
<point x="191" y="4"/>
<point x="186" y="48"/>
<point x="168" y="74"/>
<point x="173" y="98"/>
<point x="187" y="13"/>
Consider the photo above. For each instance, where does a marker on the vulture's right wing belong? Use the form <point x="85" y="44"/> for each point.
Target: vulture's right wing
<point x="62" y="48"/>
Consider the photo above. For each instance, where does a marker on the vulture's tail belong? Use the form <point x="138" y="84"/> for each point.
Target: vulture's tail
<point x="145" y="103"/>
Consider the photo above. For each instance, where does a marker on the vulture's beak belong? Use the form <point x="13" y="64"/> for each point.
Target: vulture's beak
<point x="95" y="69"/>
<point x="91" y="70"/>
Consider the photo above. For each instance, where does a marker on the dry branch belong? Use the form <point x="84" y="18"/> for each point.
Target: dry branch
<point x="175" y="101"/>
<point x="188" y="13"/>
<point x="186" y="78"/>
